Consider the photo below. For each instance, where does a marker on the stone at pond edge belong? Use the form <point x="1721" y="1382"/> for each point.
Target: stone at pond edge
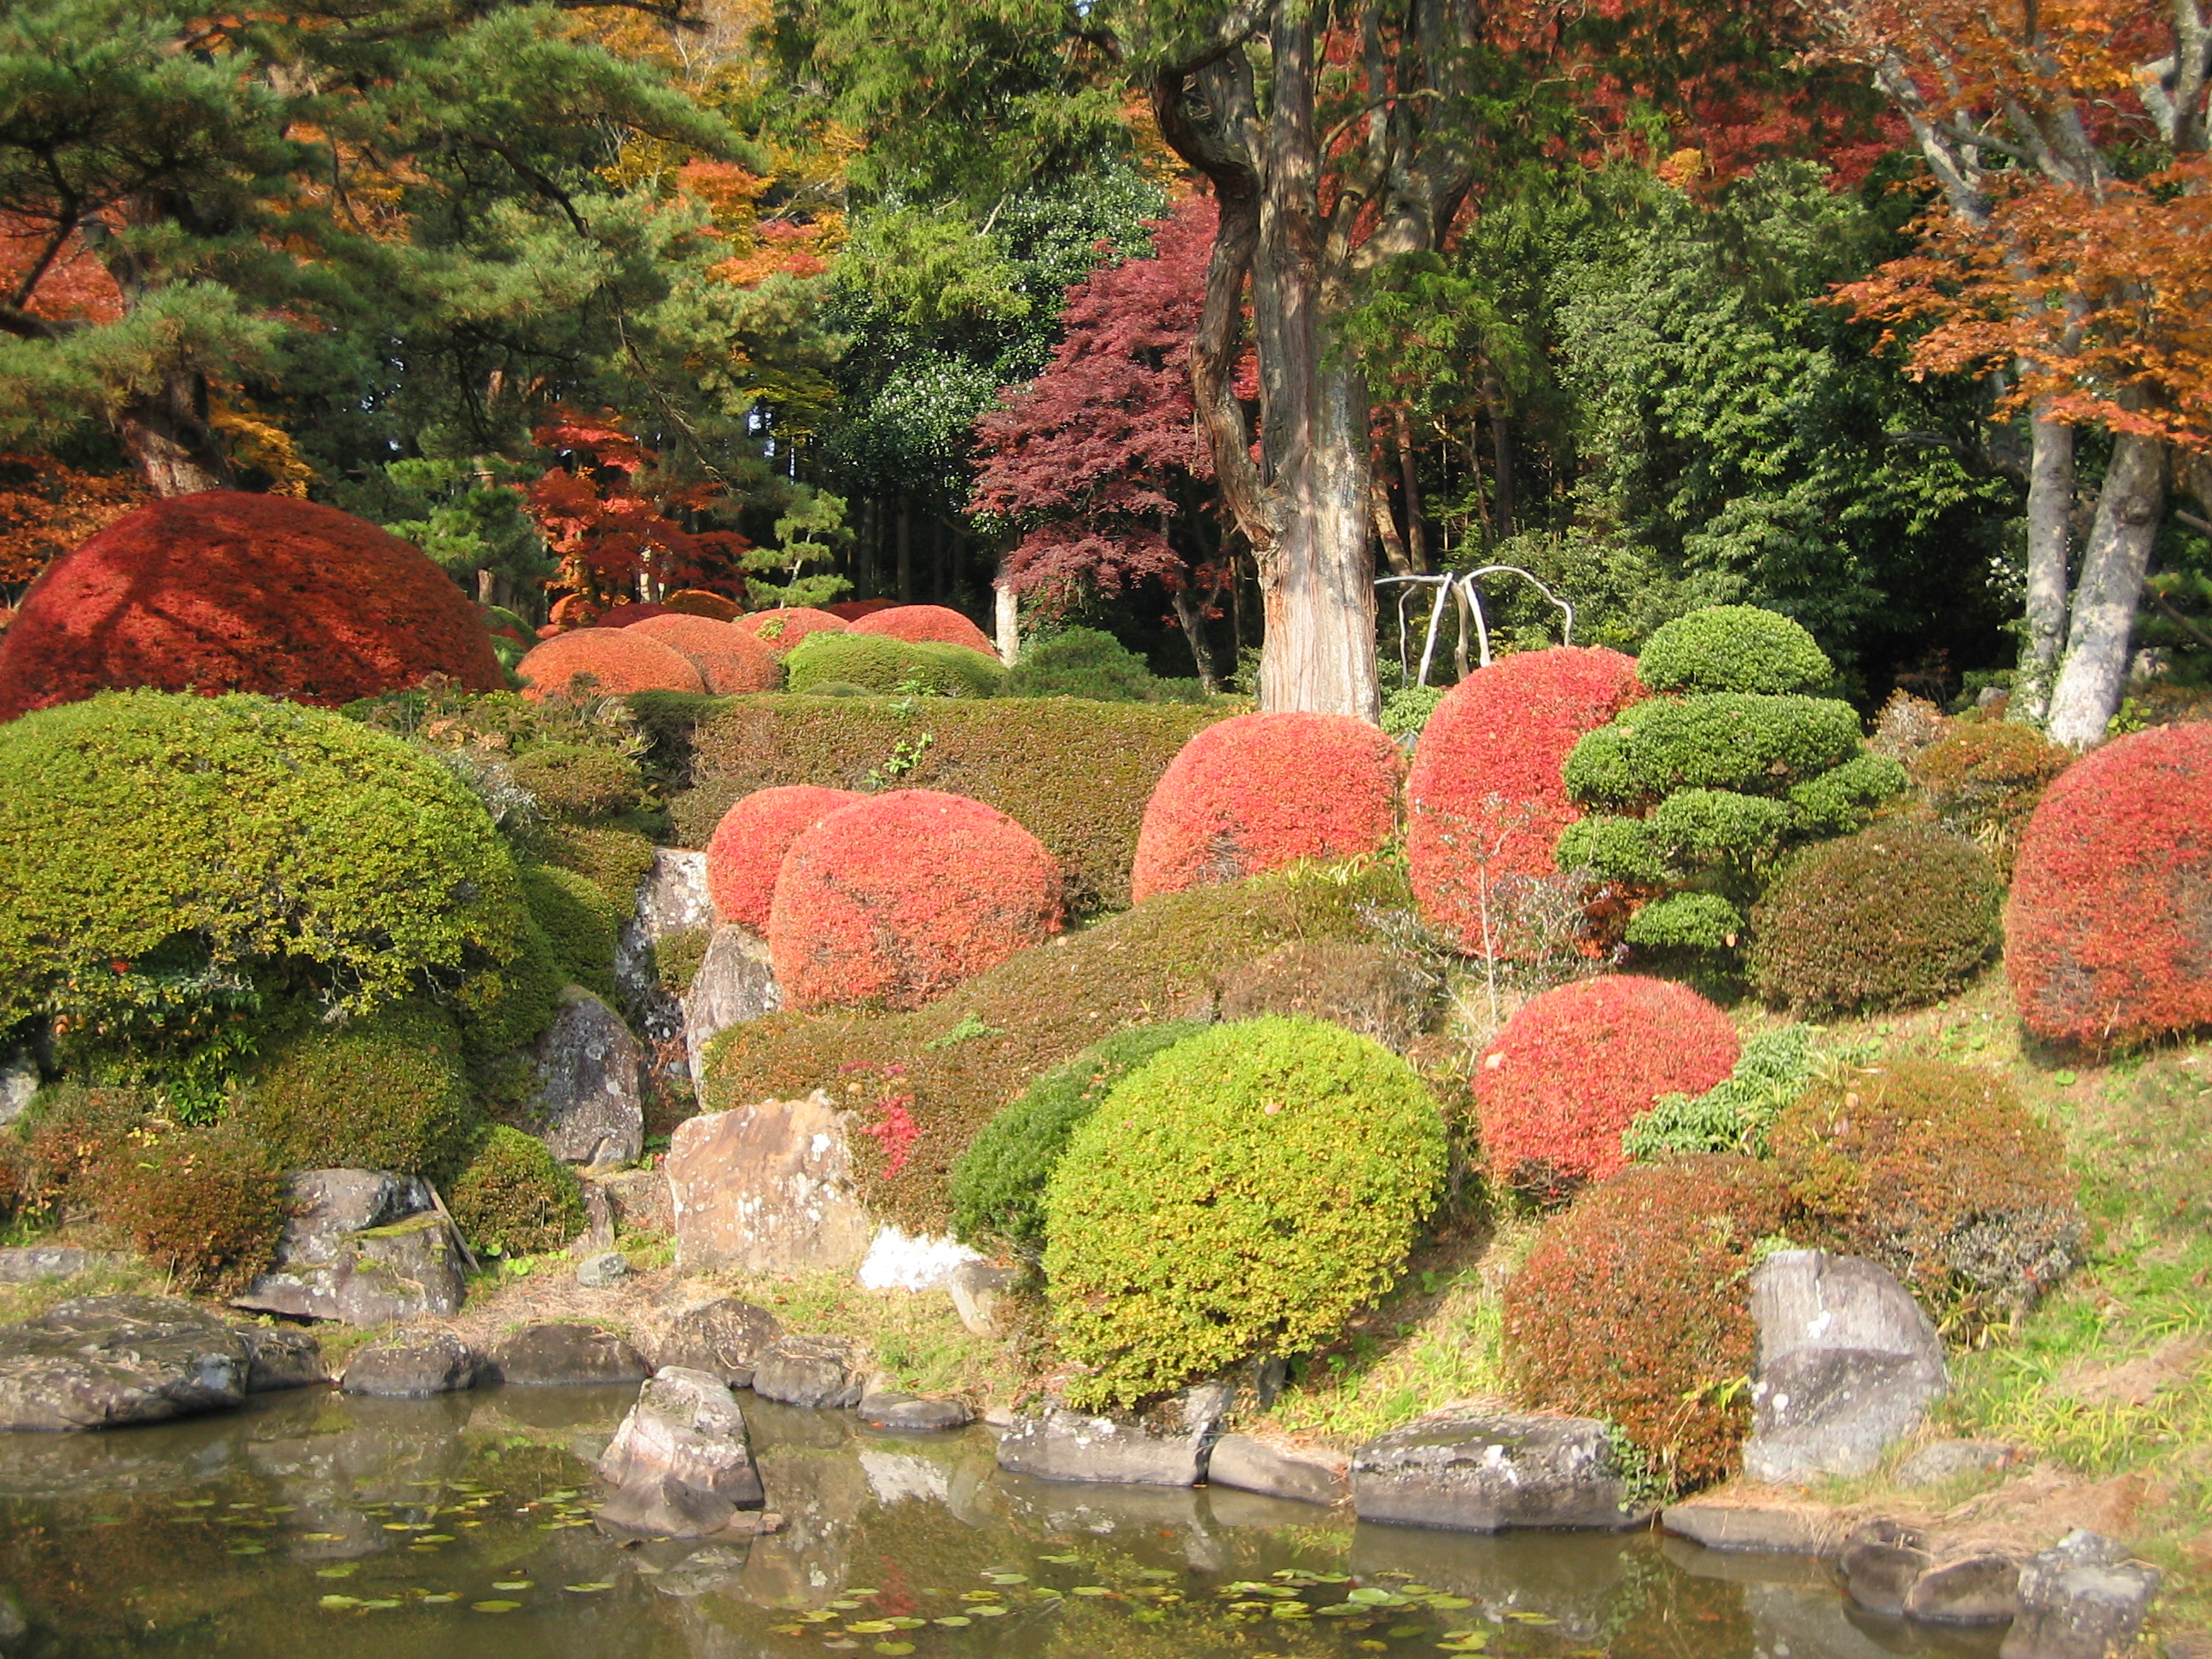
<point x="1167" y="1447"/>
<point x="680" y="1461"/>
<point x="1487" y="1473"/>
<point x="602" y="1268"/>
<point x="280" y="1357"/>
<point x="722" y="1336"/>
<point x="906" y="1413"/>
<point x="813" y="1372"/>
<point x="411" y="1367"/>
<point x="2081" y="1599"/>
<point x="1980" y="1588"/>
<point x="1251" y="1465"/>
<point x="1762" y="1519"/>
<point x="591" y="1078"/>
<point x="978" y="1289"/>
<point x="767" y="1188"/>
<point x="558" y="1355"/>
<point x="1848" y="1365"/>
<point x="735" y="983"/>
<point x="363" y="1247"/>
<point x="26" y="1264"/>
<point x="100" y="1361"/>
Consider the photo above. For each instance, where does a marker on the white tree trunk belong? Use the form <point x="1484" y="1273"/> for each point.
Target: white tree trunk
<point x="1005" y="622"/>
<point x="2095" y="671"/>
<point x="2050" y="514"/>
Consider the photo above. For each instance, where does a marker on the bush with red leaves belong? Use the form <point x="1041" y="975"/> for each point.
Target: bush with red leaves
<point x="927" y="624"/>
<point x="569" y="611"/>
<point x="2109" y="931"/>
<point x="618" y="660"/>
<point x="853" y="610"/>
<point x="782" y="628"/>
<point x="698" y="601"/>
<point x="1575" y="1066"/>
<point x="227" y="592"/>
<point x="622" y="616"/>
<point x="894" y="900"/>
<point x="748" y="846"/>
<point x="729" y="660"/>
<point x="1258" y="791"/>
<point x="1634" y="1306"/>
<point x="1485" y="800"/>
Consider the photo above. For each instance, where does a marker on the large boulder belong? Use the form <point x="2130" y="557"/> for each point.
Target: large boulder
<point x="2083" y="1598"/>
<point x="280" y="1357"/>
<point x="767" y="1188"/>
<point x="362" y="1247"/>
<point x="680" y="1461"/>
<point x="673" y="899"/>
<point x="1847" y="1365"/>
<point x="735" y="983"/>
<point x="558" y="1355"/>
<point x="1167" y="1447"/>
<point x="100" y="1362"/>
<point x="816" y="1372"/>
<point x="411" y="1366"/>
<point x="721" y="1336"/>
<point x="591" y="1077"/>
<point x="1488" y="1473"/>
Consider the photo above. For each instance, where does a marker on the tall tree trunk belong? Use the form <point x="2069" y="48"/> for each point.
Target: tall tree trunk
<point x="1192" y="615"/>
<point x="1409" y="478"/>
<point x="2095" y="672"/>
<point x="1501" y="450"/>
<point x="905" y="549"/>
<point x="1385" y="529"/>
<point x="169" y="440"/>
<point x="2050" y="517"/>
<point x="1005" y="618"/>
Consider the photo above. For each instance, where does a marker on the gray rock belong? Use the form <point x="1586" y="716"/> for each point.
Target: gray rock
<point x="1166" y="1448"/>
<point x="1880" y="1564"/>
<point x="591" y="1079"/>
<point x="1981" y="1588"/>
<point x="639" y="1199"/>
<point x="907" y="1414"/>
<point x="19" y="1083"/>
<point x="605" y="1267"/>
<point x="25" y="1264"/>
<point x="558" y="1355"/>
<point x="381" y="1275"/>
<point x="1848" y="1365"/>
<point x="766" y="1187"/>
<point x="1949" y="1460"/>
<point x="1251" y="1465"/>
<point x="672" y="899"/>
<point x="2081" y="1599"/>
<point x="1487" y="1473"/>
<point x="723" y="1337"/>
<point x="1731" y="1521"/>
<point x="99" y="1362"/>
<point x="735" y="983"/>
<point x="680" y="1461"/>
<point x="978" y="1289"/>
<point x="813" y="1371"/>
<point x="279" y="1356"/>
<point x="411" y="1367"/>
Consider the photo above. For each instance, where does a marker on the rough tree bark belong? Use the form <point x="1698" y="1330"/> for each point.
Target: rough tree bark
<point x="2049" y="516"/>
<point x="2113" y="566"/>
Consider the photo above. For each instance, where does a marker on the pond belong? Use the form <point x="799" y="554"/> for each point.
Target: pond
<point x="352" y="1529"/>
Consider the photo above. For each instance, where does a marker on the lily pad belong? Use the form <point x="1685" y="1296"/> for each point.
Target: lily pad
<point x="494" y="1607"/>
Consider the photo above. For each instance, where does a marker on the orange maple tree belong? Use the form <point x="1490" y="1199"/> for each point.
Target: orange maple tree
<point x="619" y="527"/>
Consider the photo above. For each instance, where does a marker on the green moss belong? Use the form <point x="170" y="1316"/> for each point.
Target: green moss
<point x="1732" y="647"/>
<point x="889" y="666"/>
<point x="579" y="922"/>
<point x="1082" y="662"/>
<point x="1244" y="1192"/>
<point x="383" y="1092"/>
<point x="515" y="1198"/>
<point x="616" y="861"/>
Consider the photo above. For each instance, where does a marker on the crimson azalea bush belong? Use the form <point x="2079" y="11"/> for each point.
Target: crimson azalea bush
<point x="749" y="845"/>
<point x="622" y="616"/>
<point x="853" y="610"/>
<point x="927" y="624"/>
<point x="896" y="899"/>
<point x="2109" y="929"/>
<point x="1257" y="792"/>
<point x="728" y="659"/>
<point x="782" y="628"/>
<point x="1574" y="1067"/>
<point x="618" y="660"/>
<point x="228" y="592"/>
<point x="1486" y="802"/>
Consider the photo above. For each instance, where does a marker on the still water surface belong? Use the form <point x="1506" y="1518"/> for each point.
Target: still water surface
<point x="318" y="1525"/>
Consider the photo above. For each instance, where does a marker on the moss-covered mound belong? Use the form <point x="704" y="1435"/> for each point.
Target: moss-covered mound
<point x="387" y="1091"/>
<point x="887" y="665"/>
<point x="515" y="1198"/>
<point x="580" y="922"/>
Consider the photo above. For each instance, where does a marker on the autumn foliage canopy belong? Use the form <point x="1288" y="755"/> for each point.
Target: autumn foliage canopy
<point x="749" y="845"/>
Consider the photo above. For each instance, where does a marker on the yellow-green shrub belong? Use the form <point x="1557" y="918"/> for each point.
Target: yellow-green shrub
<point x="515" y="1198"/>
<point x="384" y="1092"/>
<point x="580" y="923"/>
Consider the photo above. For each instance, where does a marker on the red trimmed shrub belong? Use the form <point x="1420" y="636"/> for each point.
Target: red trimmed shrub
<point x="927" y="624"/>
<point x="622" y="616"/>
<point x="618" y="662"/>
<point x="569" y="611"/>
<point x="853" y="610"/>
<point x="1575" y="1066"/>
<point x="2109" y="931"/>
<point x="698" y="601"/>
<point x="748" y="846"/>
<point x="781" y="629"/>
<point x="1486" y="781"/>
<point x="728" y="659"/>
<point x="896" y="900"/>
<point x="1257" y="792"/>
<point x="227" y="592"/>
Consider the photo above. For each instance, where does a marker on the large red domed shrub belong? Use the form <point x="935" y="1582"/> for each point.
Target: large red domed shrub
<point x="728" y="659"/>
<point x="895" y="900"/>
<point x="1575" y="1066"/>
<point x="1485" y="802"/>
<point x="748" y="846"/>
<point x="927" y="624"/>
<point x="698" y="601"/>
<point x="1257" y="792"/>
<point x="853" y="610"/>
<point x="227" y="592"/>
<point x="619" y="660"/>
<point x="2109" y="931"/>
<point x="781" y="629"/>
<point x="622" y="616"/>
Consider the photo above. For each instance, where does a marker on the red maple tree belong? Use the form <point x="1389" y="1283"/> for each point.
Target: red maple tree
<point x="616" y="524"/>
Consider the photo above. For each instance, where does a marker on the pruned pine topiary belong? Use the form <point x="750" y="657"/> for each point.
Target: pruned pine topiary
<point x="1732" y="647"/>
<point x="515" y="1198"/>
<point x="383" y="1092"/>
<point x="1728" y="740"/>
<point x="887" y="665"/>
<point x="1244" y="1192"/>
<point x="1734" y="1115"/>
<point x="1896" y="916"/>
<point x="1082" y="662"/>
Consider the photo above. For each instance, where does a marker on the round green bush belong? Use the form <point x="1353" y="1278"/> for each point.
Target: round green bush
<point x="382" y="1092"/>
<point x="1081" y="662"/>
<point x="505" y="1009"/>
<point x="1732" y="647"/>
<point x="515" y="1198"/>
<point x="1244" y="1192"/>
<point x="997" y="1187"/>
<point x="580" y="922"/>
<point x="1896" y="916"/>
<point x="247" y="833"/>
<point x="1405" y="712"/>
<point x="1729" y="740"/>
<point x="575" y="780"/>
<point x="204" y="1205"/>
<point x="886" y="667"/>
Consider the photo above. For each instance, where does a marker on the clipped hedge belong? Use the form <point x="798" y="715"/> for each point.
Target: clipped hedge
<point x="604" y="662"/>
<point x="1077" y="776"/>
<point x="616" y="861"/>
<point x="925" y="624"/>
<point x="575" y="780"/>
<point x="887" y="666"/>
<point x="748" y="845"/>
<point x="385" y="1091"/>
<point x="1081" y="662"/>
<point x="515" y="1198"/>
<point x="1732" y="647"/>
<point x="1984" y="779"/>
<point x="579" y="922"/>
<point x="1243" y="1193"/>
<point x="730" y="659"/>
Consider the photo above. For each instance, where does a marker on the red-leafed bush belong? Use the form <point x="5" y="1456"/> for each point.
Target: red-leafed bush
<point x="1257" y="792"/>
<point x="227" y="592"/>
<point x="618" y="660"/>
<point x="894" y="900"/>
<point x="569" y="611"/>
<point x="2109" y="931"/>
<point x="728" y="659"/>
<point x="622" y="616"/>
<point x="748" y="846"/>
<point x="781" y="629"/>
<point x="927" y="624"/>
<point x="1575" y="1066"/>
<point x="1485" y="800"/>
<point x="698" y="601"/>
<point x="853" y="610"/>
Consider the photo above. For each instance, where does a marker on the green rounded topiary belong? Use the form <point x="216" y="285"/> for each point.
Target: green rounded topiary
<point x="515" y="1198"/>
<point x="580" y="923"/>
<point x="1082" y="662"/>
<point x="1244" y="1192"/>
<point x="383" y="1092"/>
<point x="575" y="780"/>
<point x="1726" y="741"/>
<point x="1897" y="915"/>
<point x="998" y="1186"/>
<point x="501" y="1012"/>
<point x="1732" y="647"/>
<point x="886" y="667"/>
